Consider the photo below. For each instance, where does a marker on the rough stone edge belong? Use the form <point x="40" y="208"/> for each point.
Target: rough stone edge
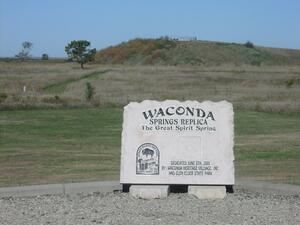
<point x="224" y="102"/>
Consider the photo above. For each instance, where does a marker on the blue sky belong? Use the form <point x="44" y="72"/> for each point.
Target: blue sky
<point x="51" y="24"/>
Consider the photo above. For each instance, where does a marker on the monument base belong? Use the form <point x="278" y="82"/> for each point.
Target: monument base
<point x="149" y="191"/>
<point x="208" y="192"/>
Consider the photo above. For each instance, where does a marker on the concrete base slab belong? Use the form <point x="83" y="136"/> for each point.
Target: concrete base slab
<point x="208" y="192"/>
<point x="149" y="191"/>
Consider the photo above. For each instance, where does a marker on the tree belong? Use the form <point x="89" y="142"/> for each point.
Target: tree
<point x="24" y="53"/>
<point x="79" y="51"/>
<point x="249" y="44"/>
<point x="45" y="56"/>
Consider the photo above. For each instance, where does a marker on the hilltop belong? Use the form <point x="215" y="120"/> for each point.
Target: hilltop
<point x="165" y="51"/>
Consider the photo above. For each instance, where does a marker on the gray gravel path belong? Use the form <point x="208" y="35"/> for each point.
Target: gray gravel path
<point x="242" y="207"/>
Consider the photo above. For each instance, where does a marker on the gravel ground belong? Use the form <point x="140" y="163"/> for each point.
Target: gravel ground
<point x="242" y="207"/>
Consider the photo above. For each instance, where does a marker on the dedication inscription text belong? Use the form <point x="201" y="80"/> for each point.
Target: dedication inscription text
<point x="174" y="142"/>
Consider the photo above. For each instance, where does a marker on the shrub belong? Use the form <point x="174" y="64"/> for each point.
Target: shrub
<point x="164" y="44"/>
<point x="45" y="56"/>
<point x="289" y="83"/>
<point x="256" y="62"/>
<point x="3" y="96"/>
<point x="52" y="99"/>
<point x="249" y="44"/>
<point x="89" y="91"/>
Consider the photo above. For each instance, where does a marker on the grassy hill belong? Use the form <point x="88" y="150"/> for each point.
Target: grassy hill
<point x="204" y="53"/>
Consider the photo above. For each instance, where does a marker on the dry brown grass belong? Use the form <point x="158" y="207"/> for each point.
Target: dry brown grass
<point x="35" y="75"/>
<point x="248" y="87"/>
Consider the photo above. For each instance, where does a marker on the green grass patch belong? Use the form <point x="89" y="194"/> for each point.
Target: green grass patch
<point x="48" y="146"/>
<point x="58" y="88"/>
<point x="267" y="146"/>
<point x="253" y="123"/>
<point x="267" y="155"/>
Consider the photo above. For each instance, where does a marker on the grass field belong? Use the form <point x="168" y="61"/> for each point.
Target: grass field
<point x="63" y="144"/>
<point x="58" y="85"/>
<point x="68" y="145"/>
<point x="46" y="146"/>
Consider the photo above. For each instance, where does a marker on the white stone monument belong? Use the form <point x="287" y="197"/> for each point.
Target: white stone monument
<point x="172" y="142"/>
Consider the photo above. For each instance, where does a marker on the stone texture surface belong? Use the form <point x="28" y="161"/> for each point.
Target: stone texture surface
<point x="174" y="142"/>
<point x="149" y="191"/>
<point x="208" y="192"/>
<point x="118" y="208"/>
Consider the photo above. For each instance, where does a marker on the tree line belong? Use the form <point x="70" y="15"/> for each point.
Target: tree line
<point x="79" y="51"/>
